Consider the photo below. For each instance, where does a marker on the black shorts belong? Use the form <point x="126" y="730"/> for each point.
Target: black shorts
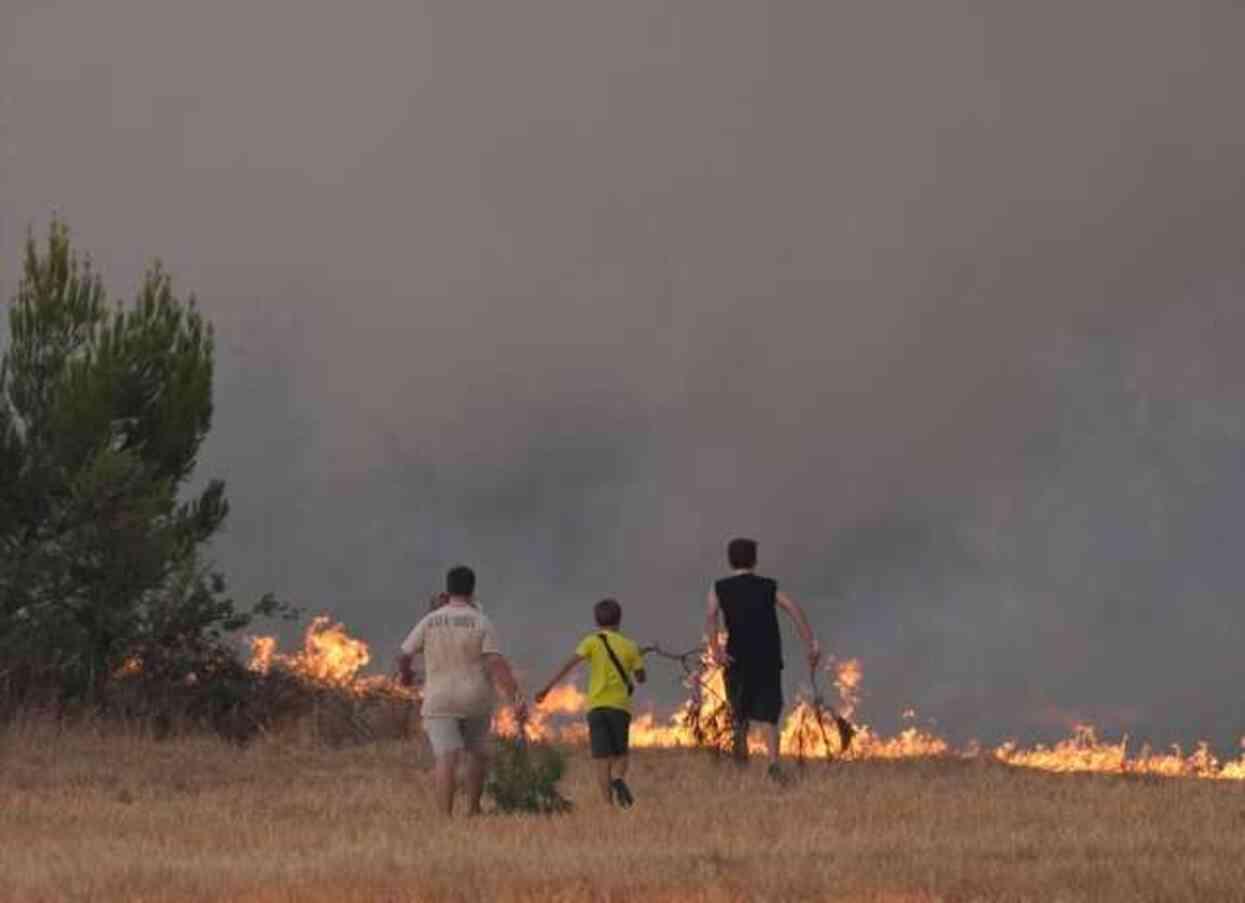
<point x="755" y="695"/>
<point x="608" y="731"/>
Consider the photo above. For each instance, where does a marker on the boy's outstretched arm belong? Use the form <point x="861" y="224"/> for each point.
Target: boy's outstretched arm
<point x="557" y="678"/>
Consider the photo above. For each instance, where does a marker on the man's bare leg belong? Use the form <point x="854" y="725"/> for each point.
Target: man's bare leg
<point x="477" y="766"/>
<point x="603" y="779"/>
<point x="619" y="769"/>
<point x="446" y="773"/>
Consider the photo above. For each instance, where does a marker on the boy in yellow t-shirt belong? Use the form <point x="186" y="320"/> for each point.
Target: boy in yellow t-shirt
<point x="615" y="666"/>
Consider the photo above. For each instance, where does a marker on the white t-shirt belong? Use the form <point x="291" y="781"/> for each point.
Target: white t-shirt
<point x="454" y="640"/>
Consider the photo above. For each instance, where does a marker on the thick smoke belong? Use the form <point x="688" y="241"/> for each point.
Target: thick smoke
<point x="941" y="302"/>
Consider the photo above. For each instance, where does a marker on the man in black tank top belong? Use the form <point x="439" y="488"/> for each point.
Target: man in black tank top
<point x="749" y="604"/>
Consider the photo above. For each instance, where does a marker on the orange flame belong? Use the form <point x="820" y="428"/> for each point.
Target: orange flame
<point x="802" y="734"/>
<point x="565" y="700"/>
<point x="1084" y="752"/>
<point x="262" y="650"/>
<point x="132" y="666"/>
<point x="331" y="656"/>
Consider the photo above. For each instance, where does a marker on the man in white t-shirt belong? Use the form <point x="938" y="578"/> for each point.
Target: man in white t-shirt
<point x="462" y="663"/>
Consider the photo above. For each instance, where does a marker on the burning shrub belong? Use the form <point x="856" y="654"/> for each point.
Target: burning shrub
<point x="326" y="693"/>
<point x="316" y="692"/>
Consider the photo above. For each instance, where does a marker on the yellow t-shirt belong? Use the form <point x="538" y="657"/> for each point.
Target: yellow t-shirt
<point x="606" y="689"/>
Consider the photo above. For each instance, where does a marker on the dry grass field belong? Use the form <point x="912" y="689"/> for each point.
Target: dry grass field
<point x="86" y="817"/>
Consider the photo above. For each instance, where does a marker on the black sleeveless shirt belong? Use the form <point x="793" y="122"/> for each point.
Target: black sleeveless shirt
<point x="750" y="606"/>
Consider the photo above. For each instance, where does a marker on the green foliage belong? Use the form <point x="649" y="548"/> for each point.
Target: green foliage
<point x="524" y="778"/>
<point x="103" y="409"/>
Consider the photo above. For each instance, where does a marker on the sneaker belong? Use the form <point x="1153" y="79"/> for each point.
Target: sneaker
<point x="777" y="775"/>
<point x="622" y="793"/>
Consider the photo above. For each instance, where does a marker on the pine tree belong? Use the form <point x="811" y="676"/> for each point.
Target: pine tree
<point x="103" y="410"/>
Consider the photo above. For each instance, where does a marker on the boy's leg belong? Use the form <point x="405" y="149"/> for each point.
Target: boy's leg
<point x="601" y="745"/>
<point x="622" y="793"/>
<point x="622" y="741"/>
<point x="604" y="782"/>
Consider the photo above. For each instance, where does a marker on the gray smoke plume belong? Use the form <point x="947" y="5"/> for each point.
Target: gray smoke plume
<point x="941" y="302"/>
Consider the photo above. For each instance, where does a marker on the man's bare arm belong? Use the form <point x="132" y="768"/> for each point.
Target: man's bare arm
<point x="406" y="673"/>
<point x="793" y="610"/>
<point x="501" y="675"/>
<point x="557" y="678"/>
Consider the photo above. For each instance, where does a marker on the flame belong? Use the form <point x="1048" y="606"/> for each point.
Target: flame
<point x="262" y="650"/>
<point x="1084" y="752"/>
<point x="566" y="700"/>
<point x="563" y="700"/>
<point x="331" y="656"/>
<point x="132" y="666"/>
<point x="805" y="734"/>
<point x="847" y="678"/>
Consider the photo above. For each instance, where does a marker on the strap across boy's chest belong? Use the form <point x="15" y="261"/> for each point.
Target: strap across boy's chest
<point x="622" y="672"/>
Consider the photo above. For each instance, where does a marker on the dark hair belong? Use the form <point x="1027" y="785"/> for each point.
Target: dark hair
<point x="608" y="613"/>
<point x="460" y="581"/>
<point x="437" y="600"/>
<point x="742" y="553"/>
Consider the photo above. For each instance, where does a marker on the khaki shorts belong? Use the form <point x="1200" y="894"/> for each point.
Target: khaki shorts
<point x="448" y="734"/>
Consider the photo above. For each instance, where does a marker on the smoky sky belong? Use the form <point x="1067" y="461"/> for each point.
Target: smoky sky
<point x="942" y="302"/>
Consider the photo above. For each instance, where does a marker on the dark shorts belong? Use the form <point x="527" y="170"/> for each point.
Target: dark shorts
<point x="607" y="732"/>
<point x="755" y="695"/>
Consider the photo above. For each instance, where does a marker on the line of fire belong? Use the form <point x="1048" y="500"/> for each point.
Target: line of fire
<point x="331" y="657"/>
